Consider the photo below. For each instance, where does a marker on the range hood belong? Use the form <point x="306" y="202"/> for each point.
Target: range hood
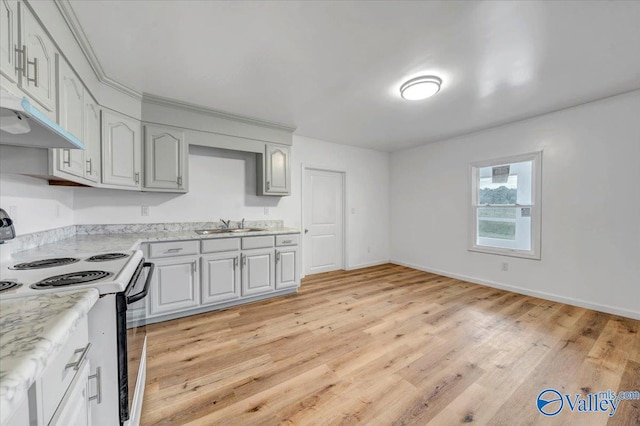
<point x="22" y="124"/>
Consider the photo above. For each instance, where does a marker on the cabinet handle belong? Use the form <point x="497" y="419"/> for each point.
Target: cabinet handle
<point x="66" y="153"/>
<point x="179" y="181"/>
<point x="194" y="267"/>
<point x="277" y="256"/>
<point x="137" y="177"/>
<point x="98" y="377"/>
<point x="83" y="353"/>
<point x="244" y="259"/>
<point x="286" y="241"/>
<point x="268" y="185"/>
<point x="89" y="166"/>
<point x="33" y="80"/>
<point x="235" y="263"/>
<point x="174" y="250"/>
<point x="22" y="60"/>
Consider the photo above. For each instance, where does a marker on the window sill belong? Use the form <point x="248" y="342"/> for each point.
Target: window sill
<point x="506" y="252"/>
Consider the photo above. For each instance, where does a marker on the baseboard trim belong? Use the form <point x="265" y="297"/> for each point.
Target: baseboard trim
<point x="367" y="264"/>
<point x="540" y="294"/>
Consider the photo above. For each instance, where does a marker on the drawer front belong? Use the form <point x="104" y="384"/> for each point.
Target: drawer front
<point x="62" y="369"/>
<point x="220" y="245"/>
<point x="287" y="240"/>
<point x="173" y="249"/>
<point x="257" y="242"/>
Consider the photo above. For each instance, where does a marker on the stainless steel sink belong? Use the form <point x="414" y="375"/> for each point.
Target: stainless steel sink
<point x="225" y="231"/>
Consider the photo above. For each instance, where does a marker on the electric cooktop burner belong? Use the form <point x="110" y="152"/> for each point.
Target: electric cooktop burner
<point x="73" y="278"/>
<point x="106" y="257"/>
<point x="45" y="263"/>
<point x="8" y="285"/>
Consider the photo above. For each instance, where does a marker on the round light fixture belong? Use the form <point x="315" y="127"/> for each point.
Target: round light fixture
<point x="420" y="88"/>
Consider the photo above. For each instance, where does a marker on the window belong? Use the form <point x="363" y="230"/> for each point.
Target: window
<point x="505" y="206"/>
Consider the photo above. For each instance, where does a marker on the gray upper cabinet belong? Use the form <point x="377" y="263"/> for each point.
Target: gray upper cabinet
<point x="79" y="114"/>
<point x="91" y="138"/>
<point x="37" y="56"/>
<point x="165" y="159"/>
<point x="121" y="151"/>
<point x="274" y="171"/>
<point x="70" y="116"/>
<point x="9" y="39"/>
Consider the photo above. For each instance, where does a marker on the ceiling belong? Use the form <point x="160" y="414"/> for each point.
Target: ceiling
<point x="333" y="69"/>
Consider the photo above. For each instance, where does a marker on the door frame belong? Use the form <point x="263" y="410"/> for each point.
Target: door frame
<point x="345" y="223"/>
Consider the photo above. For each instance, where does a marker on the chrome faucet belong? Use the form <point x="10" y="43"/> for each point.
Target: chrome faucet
<point x="225" y="223"/>
<point x="241" y="224"/>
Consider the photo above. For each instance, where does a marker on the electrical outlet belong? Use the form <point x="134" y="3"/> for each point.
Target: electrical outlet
<point x="266" y="211"/>
<point x="505" y="266"/>
<point x="144" y="210"/>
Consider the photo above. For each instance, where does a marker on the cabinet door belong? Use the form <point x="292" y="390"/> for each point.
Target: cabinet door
<point x="175" y="286"/>
<point x="120" y="150"/>
<point x="75" y="409"/>
<point x="165" y="158"/>
<point x="70" y="116"/>
<point x="287" y="273"/>
<point x="257" y="271"/>
<point x="91" y="138"/>
<point x="39" y="79"/>
<point x="9" y="39"/>
<point x="276" y="169"/>
<point x="220" y="277"/>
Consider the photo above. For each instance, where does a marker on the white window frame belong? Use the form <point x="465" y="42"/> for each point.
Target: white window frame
<point x="535" y="206"/>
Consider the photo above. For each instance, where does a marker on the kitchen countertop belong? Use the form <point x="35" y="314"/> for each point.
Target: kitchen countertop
<point x="110" y="242"/>
<point x="32" y="331"/>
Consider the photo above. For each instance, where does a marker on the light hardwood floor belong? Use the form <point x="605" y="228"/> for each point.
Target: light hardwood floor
<point x="388" y="345"/>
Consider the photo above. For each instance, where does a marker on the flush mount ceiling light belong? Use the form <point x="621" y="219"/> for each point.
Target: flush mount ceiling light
<point x="420" y="88"/>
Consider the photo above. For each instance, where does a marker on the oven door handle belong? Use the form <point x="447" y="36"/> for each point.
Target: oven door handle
<point x="134" y="298"/>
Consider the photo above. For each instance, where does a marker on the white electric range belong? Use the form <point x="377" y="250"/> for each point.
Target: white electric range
<point x="118" y="341"/>
<point x="106" y="272"/>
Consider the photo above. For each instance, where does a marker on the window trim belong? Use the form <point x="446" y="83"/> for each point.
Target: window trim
<point x="536" y="206"/>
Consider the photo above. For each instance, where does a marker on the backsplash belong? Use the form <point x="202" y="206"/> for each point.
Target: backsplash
<point x="132" y="228"/>
<point x="29" y="241"/>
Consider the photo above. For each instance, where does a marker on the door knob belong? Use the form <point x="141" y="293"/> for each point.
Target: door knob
<point x="306" y="231"/>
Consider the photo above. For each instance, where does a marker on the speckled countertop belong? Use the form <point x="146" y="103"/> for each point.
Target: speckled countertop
<point x="113" y="241"/>
<point x="34" y="328"/>
<point x="32" y="331"/>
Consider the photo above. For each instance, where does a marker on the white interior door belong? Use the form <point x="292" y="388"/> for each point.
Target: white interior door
<point x="323" y="221"/>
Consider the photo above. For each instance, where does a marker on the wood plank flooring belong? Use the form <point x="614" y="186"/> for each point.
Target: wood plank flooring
<point x="388" y="345"/>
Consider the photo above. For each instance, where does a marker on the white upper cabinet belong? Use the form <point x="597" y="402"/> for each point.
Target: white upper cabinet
<point x="91" y="138"/>
<point x="274" y="172"/>
<point x="165" y="159"/>
<point x="9" y="39"/>
<point x="70" y="116"/>
<point x="121" y="151"/>
<point x="37" y="56"/>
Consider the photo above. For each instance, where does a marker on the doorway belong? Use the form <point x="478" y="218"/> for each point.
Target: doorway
<point x="323" y="220"/>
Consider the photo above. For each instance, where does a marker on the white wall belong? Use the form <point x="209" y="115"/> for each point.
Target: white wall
<point x="222" y="184"/>
<point x="590" y="205"/>
<point x="34" y="205"/>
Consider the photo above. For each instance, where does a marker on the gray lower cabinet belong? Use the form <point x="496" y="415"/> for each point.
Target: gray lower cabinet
<point x="165" y="159"/>
<point x="257" y="271"/>
<point x="175" y="285"/>
<point x="287" y="268"/>
<point x="220" y="277"/>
